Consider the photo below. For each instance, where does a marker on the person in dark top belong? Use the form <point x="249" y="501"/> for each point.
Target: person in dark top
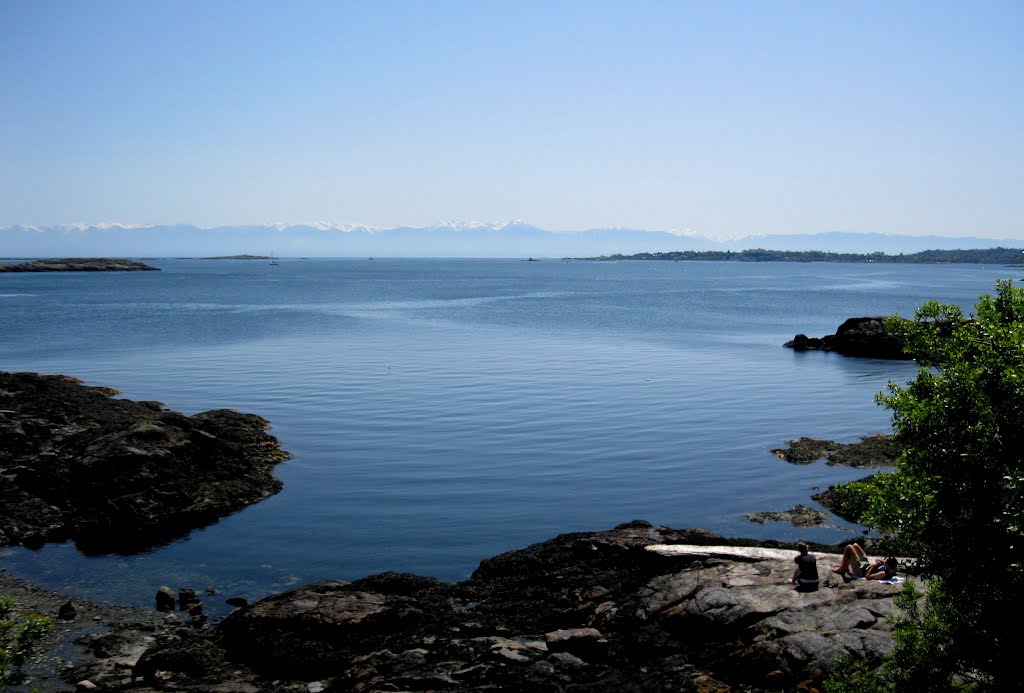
<point x="805" y="577"/>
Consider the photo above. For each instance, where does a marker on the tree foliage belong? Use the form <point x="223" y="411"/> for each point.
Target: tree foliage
<point x="955" y="499"/>
<point x="988" y="256"/>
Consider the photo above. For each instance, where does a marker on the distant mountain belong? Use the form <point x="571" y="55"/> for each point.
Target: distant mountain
<point x="446" y="239"/>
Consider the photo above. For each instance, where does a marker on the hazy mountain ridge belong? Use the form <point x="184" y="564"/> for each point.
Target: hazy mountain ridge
<point x="445" y="239"/>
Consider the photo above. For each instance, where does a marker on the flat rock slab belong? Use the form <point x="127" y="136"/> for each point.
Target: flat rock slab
<point x="757" y="553"/>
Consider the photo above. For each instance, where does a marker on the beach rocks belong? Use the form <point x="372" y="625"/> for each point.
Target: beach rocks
<point x="119" y="475"/>
<point x="67" y="611"/>
<point x="866" y="337"/>
<point x="165" y="599"/>
<point x="307" y="631"/>
<point x="583" y="611"/>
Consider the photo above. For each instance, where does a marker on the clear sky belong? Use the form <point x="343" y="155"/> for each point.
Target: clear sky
<point x="725" y="118"/>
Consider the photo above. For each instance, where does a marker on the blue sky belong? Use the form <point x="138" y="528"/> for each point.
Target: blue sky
<point x="724" y="118"/>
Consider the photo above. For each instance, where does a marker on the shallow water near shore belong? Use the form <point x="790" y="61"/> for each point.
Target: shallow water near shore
<point x="442" y="411"/>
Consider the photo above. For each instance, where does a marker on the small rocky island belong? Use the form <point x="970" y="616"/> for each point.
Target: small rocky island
<point x="80" y="264"/>
<point x="865" y="337"/>
<point x="119" y="475"/>
<point x="239" y="257"/>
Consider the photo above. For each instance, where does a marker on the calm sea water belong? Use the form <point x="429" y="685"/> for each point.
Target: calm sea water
<point x="442" y="411"/>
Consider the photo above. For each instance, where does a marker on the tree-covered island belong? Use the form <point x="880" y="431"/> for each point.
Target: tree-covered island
<point x="986" y="256"/>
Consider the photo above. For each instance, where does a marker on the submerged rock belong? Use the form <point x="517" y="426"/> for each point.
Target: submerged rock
<point x="119" y="475"/>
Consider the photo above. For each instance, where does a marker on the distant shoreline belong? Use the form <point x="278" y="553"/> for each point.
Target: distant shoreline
<point x="990" y="256"/>
<point x="1010" y="257"/>
<point x="238" y="257"/>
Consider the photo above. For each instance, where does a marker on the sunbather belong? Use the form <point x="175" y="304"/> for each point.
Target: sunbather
<point x="855" y="564"/>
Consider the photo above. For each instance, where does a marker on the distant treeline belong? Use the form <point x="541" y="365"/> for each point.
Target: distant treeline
<point x="989" y="256"/>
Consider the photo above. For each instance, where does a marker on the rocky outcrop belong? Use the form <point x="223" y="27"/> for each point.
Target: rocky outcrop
<point x="118" y="475"/>
<point x="594" y="611"/>
<point x="798" y="516"/>
<point x="80" y="264"/>
<point x="872" y="451"/>
<point x="866" y="337"/>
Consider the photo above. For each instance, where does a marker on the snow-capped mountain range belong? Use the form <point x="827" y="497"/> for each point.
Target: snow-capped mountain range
<point x="445" y="239"/>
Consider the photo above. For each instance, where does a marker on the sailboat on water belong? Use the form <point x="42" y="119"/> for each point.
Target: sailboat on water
<point x="273" y="260"/>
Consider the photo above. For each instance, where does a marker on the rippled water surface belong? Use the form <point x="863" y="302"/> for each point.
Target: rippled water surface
<point x="442" y="411"/>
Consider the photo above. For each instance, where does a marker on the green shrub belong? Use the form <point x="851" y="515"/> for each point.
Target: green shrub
<point x="18" y="635"/>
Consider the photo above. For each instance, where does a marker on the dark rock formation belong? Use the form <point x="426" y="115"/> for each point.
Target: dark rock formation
<point x="165" y="599"/>
<point x="872" y="451"/>
<point x="799" y="516"/>
<point x="593" y="611"/>
<point x="867" y="337"/>
<point x="80" y="264"/>
<point x="67" y="611"/>
<point x="118" y="475"/>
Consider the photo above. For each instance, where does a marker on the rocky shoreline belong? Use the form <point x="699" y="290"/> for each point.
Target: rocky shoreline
<point x="51" y="668"/>
<point x="636" y="608"/>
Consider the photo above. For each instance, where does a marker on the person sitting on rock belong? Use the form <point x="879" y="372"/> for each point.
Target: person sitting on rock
<point x="805" y="577"/>
<point x="855" y="564"/>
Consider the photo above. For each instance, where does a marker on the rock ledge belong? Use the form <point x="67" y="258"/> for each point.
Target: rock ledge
<point x="118" y="475"/>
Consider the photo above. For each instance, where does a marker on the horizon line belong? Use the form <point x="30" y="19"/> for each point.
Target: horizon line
<point x="473" y="226"/>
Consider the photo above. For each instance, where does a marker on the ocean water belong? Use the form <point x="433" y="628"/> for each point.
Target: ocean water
<point x="442" y="411"/>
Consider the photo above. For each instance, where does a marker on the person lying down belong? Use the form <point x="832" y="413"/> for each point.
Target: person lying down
<point x="855" y="564"/>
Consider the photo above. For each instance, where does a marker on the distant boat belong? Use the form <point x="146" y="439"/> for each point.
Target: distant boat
<point x="532" y="259"/>
<point x="273" y="260"/>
